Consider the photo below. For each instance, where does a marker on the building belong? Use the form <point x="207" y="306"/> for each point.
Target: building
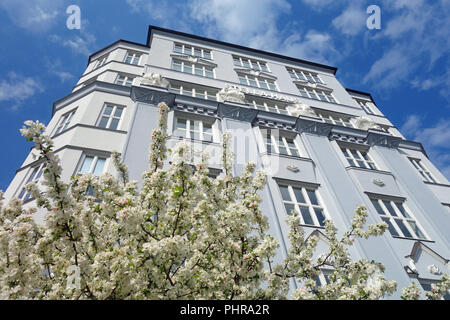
<point x="327" y="149"/>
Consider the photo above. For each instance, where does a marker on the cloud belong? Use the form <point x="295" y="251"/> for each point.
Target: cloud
<point x="80" y="43"/>
<point x="435" y="139"/>
<point x="351" y="21"/>
<point x="54" y="68"/>
<point x="36" y="15"/>
<point x="318" y="4"/>
<point x="17" y="89"/>
<point x="415" y="40"/>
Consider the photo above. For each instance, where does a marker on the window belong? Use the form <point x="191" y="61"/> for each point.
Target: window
<point x="192" y="51"/>
<point x="358" y="158"/>
<point x="335" y="119"/>
<point x="304" y="201"/>
<point x="422" y="170"/>
<point x="101" y="61"/>
<point x="64" y="122"/>
<point x="304" y="75"/>
<point x="191" y="68"/>
<point x="367" y="106"/>
<point x="194" y="91"/>
<point x="258" y="82"/>
<point x="194" y="129"/>
<point x="269" y="106"/>
<point x="399" y="220"/>
<point x="316" y="94"/>
<point x="250" y="64"/>
<point x="34" y="176"/>
<point x="110" y="117"/>
<point x="276" y="143"/>
<point x="132" y="57"/>
<point x="124" y="80"/>
<point x="92" y="164"/>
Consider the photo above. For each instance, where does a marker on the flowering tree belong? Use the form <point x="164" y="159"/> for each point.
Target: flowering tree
<point x="180" y="235"/>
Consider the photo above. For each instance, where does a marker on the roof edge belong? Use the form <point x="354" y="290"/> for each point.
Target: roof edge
<point x="113" y="44"/>
<point x="276" y="55"/>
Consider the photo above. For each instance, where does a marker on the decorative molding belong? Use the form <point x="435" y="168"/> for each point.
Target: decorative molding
<point x="293" y="168"/>
<point x="300" y="109"/>
<point x="237" y="112"/>
<point x="153" y="79"/>
<point x="150" y="96"/>
<point x="313" y="85"/>
<point x="348" y="138"/>
<point x="433" y="269"/>
<point x="381" y="139"/>
<point x="194" y="59"/>
<point x="232" y="94"/>
<point x="195" y="109"/>
<point x="378" y="182"/>
<point x="256" y="73"/>
<point x="313" y="126"/>
<point x="365" y="123"/>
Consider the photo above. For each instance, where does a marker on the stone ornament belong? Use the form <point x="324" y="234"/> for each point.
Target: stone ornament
<point x="293" y="168"/>
<point x="434" y="269"/>
<point x="231" y="94"/>
<point x="154" y="79"/>
<point x="378" y="182"/>
<point x="301" y="109"/>
<point x="365" y="123"/>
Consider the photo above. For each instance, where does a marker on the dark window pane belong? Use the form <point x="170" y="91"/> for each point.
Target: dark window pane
<point x="402" y="227"/>
<point x="289" y="208"/>
<point x="285" y="193"/>
<point x="390" y="226"/>
<point x="306" y="215"/>
<point x="320" y="216"/>
<point x="103" y="122"/>
<point x="114" y="124"/>
<point x="299" y="195"/>
<point x="389" y="207"/>
<point x="312" y="196"/>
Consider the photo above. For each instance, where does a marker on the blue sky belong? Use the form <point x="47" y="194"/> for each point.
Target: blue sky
<point x="405" y="64"/>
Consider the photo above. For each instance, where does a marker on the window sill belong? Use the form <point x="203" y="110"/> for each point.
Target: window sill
<point x="194" y="140"/>
<point x="437" y="184"/>
<point x="286" y="156"/>
<point x="193" y="74"/>
<point x="413" y="239"/>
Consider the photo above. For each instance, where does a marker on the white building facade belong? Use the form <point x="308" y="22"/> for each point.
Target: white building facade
<point x="326" y="149"/>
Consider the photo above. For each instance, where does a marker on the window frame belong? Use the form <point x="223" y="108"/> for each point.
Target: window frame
<point x="351" y="158"/>
<point x="367" y="108"/>
<point x="192" y="53"/>
<point x="134" y="55"/>
<point x="127" y="79"/>
<point x="308" y="203"/>
<point x="33" y="175"/>
<point x="313" y="93"/>
<point x="64" y="121"/>
<point x="101" y="61"/>
<point x="111" y="116"/>
<point x="405" y="216"/>
<point x="194" y="67"/>
<point x="335" y="119"/>
<point x="196" y="92"/>
<point x="294" y="74"/>
<point x="253" y="64"/>
<point x="93" y="165"/>
<point x="423" y="170"/>
<point x="276" y="108"/>
<point x="256" y="79"/>
<point x="275" y="141"/>
<point x="190" y="127"/>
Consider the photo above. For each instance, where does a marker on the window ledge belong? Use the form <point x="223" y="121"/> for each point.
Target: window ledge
<point x="286" y="156"/>
<point x="413" y="239"/>
<point x="368" y="170"/>
<point x="437" y="184"/>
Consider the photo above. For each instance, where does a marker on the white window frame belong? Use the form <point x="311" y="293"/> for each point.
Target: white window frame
<point x="253" y="64"/>
<point x="111" y="116"/>
<point x="197" y="92"/>
<point x="194" y="67"/>
<point x="192" y="51"/>
<point x="190" y="128"/>
<point x="34" y="175"/>
<point x="350" y="157"/>
<point x="279" y="139"/>
<point x="64" y="121"/>
<point x="316" y="94"/>
<point x="364" y="105"/>
<point x="258" y="81"/>
<point x="304" y="75"/>
<point x="308" y="204"/>
<point x="93" y="165"/>
<point x="335" y="119"/>
<point x="133" y="55"/>
<point x="270" y="107"/>
<point x="405" y="216"/>
<point x="126" y="80"/>
<point x="422" y="170"/>
<point x="101" y="61"/>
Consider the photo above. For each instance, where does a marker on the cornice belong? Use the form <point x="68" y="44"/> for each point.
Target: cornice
<point x="193" y="59"/>
<point x="255" y="73"/>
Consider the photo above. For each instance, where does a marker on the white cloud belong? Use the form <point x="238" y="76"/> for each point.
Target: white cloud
<point x="54" y="68"/>
<point x="36" y="15"/>
<point x="17" y="88"/>
<point x="435" y="139"/>
<point x="416" y="36"/>
<point x="318" y="4"/>
<point x="351" y="21"/>
<point x="80" y="43"/>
